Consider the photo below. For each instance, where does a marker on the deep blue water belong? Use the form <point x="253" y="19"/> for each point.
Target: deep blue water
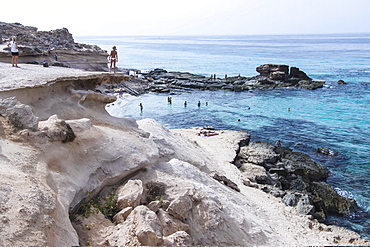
<point x="336" y="116"/>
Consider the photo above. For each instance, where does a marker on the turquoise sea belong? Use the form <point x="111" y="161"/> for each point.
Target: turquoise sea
<point x="336" y="116"/>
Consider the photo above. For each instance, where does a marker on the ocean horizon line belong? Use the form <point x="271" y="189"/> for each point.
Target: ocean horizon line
<point x="227" y="35"/>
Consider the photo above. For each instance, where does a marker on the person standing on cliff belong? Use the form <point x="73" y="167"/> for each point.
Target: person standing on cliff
<point x="13" y="45"/>
<point x="113" y="59"/>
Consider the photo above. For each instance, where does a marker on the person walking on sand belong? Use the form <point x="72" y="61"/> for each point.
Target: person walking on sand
<point x="13" y="45"/>
<point x="113" y="59"/>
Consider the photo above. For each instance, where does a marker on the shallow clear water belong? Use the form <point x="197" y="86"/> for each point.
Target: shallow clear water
<point x="336" y="116"/>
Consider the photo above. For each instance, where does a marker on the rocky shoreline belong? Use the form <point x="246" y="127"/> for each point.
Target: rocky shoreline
<point x="59" y="143"/>
<point x="272" y="76"/>
<point x="68" y="167"/>
<point x="294" y="177"/>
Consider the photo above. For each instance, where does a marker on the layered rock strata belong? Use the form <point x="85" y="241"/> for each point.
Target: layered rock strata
<point x="56" y="47"/>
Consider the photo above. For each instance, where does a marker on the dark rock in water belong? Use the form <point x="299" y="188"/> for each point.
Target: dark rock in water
<point x="326" y="151"/>
<point x="295" y="177"/>
<point x="267" y="69"/>
<point x="309" y="84"/>
<point x="297" y="73"/>
<point x="332" y="202"/>
<point x="311" y="170"/>
<point x="271" y="76"/>
<point x="341" y="82"/>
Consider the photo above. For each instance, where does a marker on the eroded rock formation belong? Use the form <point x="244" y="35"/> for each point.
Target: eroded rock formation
<point x="39" y="46"/>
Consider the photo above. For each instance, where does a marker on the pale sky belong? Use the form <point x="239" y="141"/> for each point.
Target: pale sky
<point x="192" y="17"/>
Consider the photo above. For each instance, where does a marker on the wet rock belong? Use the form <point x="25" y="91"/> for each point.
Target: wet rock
<point x="341" y="82"/>
<point x="302" y="164"/>
<point x="271" y="76"/>
<point x="332" y="202"/>
<point x="267" y="69"/>
<point x="297" y="73"/>
<point x="309" y="84"/>
<point x="326" y="151"/>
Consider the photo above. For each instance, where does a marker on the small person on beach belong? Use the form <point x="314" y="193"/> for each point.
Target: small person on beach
<point x="185" y="103"/>
<point x="278" y="143"/>
<point x="113" y="57"/>
<point x="141" y="106"/>
<point x="199" y="103"/>
<point x="13" y="45"/>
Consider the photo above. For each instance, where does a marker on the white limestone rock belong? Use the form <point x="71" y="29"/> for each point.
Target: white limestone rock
<point x="129" y="195"/>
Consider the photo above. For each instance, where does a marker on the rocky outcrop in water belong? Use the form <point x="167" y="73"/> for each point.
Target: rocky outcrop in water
<point x="271" y="76"/>
<point x="294" y="177"/>
<point x="39" y="46"/>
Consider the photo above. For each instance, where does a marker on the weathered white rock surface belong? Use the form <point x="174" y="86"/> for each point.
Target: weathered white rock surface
<point x="129" y="195"/>
<point x="42" y="182"/>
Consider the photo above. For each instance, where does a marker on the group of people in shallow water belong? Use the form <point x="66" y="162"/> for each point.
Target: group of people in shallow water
<point x="169" y="100"/>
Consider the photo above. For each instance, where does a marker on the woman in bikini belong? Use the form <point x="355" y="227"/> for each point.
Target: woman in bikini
<point x="113" y="59"/>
